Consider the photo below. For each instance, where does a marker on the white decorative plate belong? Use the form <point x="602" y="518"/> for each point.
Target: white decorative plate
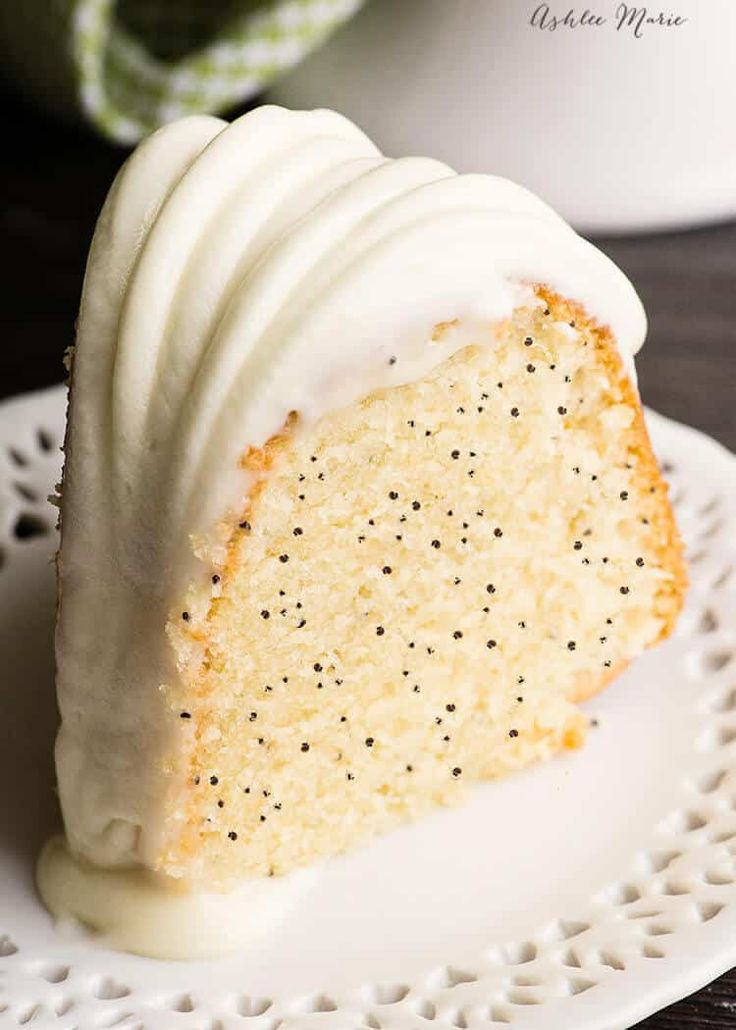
<point x="580" y="895"/>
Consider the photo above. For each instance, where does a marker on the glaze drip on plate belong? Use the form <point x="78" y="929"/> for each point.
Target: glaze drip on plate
<point x="137" y="911"/>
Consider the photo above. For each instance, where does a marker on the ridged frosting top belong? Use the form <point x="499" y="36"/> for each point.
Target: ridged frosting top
<point x="240" y="272"/>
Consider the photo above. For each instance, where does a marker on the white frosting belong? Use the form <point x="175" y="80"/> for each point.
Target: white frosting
<point x="133" y="910"/>
<point x="240" y="272"/>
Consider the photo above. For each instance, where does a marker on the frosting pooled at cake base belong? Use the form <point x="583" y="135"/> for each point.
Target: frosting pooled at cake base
<point x="240" y="273"/>
<point x="139" y="912"/>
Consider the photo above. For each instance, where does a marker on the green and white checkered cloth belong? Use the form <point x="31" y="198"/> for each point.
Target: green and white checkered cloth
<point x="131" y="65"/>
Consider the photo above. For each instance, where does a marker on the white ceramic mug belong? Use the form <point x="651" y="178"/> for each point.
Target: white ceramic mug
<point x="623" y="118"/>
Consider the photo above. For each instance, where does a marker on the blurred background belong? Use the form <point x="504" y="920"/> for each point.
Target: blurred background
<point x="622" y="120"/>
<point x="626" y="127"/>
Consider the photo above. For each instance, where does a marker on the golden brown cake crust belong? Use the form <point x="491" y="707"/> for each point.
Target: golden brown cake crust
<point x="664" y="528"/>
<point x="669" y="544"/>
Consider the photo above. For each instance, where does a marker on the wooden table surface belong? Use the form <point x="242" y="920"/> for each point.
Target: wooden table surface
<point x="55" y="179"/>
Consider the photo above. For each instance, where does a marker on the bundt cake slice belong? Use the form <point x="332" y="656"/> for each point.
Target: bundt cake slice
<point x="358" y="505"/>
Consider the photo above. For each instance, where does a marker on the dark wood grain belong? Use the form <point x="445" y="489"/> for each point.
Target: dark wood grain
<point x="56" y="177"/>
<point x="688" y="284"/>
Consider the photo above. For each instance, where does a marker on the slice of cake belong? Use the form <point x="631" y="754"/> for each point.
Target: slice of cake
<point x="358" y="504"/>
